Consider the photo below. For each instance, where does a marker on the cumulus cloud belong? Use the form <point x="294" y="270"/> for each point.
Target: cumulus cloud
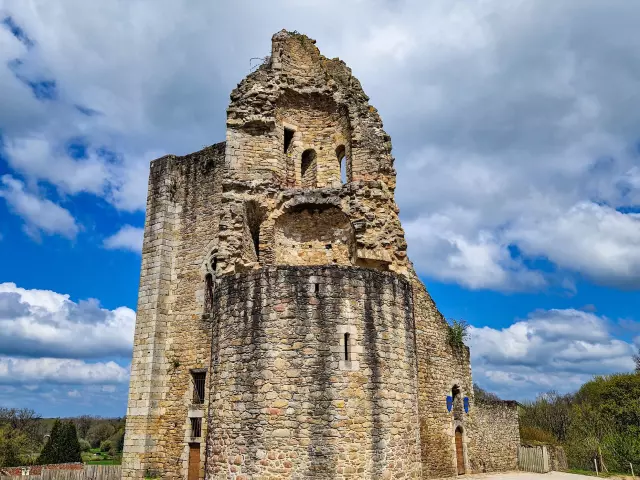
<point x="42" y="323"/>
<point x="127" y="238"/>
<point x="39" y="214"/>
<point x="507" y="119"/>
<point x="16" y="371"/>
<point x="37" y="158"/>
<point x="550" y="349"/>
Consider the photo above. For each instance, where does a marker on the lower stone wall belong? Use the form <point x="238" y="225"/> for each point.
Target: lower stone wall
<point x="494" y="437"/>
<point x="284" y="400"/>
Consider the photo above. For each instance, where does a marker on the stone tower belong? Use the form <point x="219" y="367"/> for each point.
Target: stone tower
<point x="282" y="332"/>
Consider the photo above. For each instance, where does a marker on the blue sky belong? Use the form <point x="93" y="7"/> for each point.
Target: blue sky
<point x="515" y="131"/>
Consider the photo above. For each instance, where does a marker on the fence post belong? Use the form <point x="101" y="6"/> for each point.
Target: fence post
<point x="595" y="462"/>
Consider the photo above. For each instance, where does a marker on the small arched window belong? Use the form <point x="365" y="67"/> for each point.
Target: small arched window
<point x="342" y="162"/>
<point x="308" y="169"/>
<point x="457" y="402"/>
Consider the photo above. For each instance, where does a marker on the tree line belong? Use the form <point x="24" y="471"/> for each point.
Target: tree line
<point x="601" y="422"/>
<point x="26" y="438"/>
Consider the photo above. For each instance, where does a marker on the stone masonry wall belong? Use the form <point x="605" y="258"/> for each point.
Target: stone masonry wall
<point x="440" y="368"/>
<point x="149" y="364"/>
<point x="285" y="402"/>
<point x="494" y="437"/>
<point x="184" y="192"/>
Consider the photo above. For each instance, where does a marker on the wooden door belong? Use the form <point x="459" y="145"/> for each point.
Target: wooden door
<point x="459" y="452"/>
<point x="194" y="461"/>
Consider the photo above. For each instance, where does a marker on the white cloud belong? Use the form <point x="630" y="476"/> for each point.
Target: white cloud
<point x="550" y="349"/>
<point x="42" y="323"/>
<point x="16" y="371"/>
<point x="593" y="239"/>
<point x="37" y="158"/>
<point x="40" y="214"/>
<point x="507" y="119"/>
<point x="127" y="238"/>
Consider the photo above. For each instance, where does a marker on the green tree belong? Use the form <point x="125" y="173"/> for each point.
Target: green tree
<point x="49" y="453"/>
<point x="71" y="445"/>
<point x="12" y="446"/>
<point x="62" y="445"/>
<point x="605" y="423"/>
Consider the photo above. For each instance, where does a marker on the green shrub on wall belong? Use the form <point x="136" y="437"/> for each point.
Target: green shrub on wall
<point x="458" y="332"/>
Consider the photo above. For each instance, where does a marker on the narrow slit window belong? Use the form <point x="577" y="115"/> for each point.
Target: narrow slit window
<point x="347" y="347"/>
<point x="288" y="137"/>
<point x="316" y="288"/>
<point x="342" y="162"/>
<point x="198" y="387"/>
<point x="208" y="293"/>
<point x="196" y="427"/>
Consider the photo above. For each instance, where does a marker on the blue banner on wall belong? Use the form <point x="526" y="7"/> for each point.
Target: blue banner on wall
<point x="449" y="403"/>
<point x="466" y="404"/>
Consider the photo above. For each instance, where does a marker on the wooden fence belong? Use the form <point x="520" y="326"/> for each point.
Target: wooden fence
<point x="533" y="459"/>
<point x="89" y="472"/>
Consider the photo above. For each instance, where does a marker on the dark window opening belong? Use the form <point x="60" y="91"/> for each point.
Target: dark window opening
<point x="347" y="347"/>
<point x="255" y="236"/>
<point x="208" y="293"/>
<point x="214" y="265"/>
<point x="196" y="427"/>
<point x="457" y="402"/>
<point x="254" y="217"/>
<point x="342" y="161"/>
<point x="288" y="137"/>
<point x="308" y="169"/>
<point x="328" y="246"/>
<point x="316" y="288"/>
<point x="198" y="387"/>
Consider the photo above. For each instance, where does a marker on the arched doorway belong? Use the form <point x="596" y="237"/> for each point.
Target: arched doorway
<point x="459" y="451"/>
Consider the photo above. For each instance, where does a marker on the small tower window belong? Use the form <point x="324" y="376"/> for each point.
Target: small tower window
<point x="196" y="427"/>
<point x="342" y="162"/>
<point x="288" y="137"/>
<point x="347" y="347"/>
<point x="308" y="169"/>
<point x="198" y="378"/>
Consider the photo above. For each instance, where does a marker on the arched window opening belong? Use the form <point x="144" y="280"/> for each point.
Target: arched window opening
<point x="308" y="169"/>
<point x="457" y="402"/>
<point x="288" y="137"/>
<point x="208" y="293"/>
<point x="342" y="161"/>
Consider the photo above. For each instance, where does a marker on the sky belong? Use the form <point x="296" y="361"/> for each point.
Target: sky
<point x="516" y="133"/>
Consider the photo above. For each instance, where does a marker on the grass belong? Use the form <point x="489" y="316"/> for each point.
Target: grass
<point x="96" y="457"/>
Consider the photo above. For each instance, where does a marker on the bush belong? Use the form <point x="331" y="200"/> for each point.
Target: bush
<point x="458" y="332"/>
<point x="84" y="445"/>
<point x="106" y="446"/>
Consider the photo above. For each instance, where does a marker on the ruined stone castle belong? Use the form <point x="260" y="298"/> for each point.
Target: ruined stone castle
<point x="282" y="332"/>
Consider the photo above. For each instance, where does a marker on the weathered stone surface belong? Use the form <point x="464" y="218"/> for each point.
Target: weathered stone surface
<point x="325" y="356"/>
